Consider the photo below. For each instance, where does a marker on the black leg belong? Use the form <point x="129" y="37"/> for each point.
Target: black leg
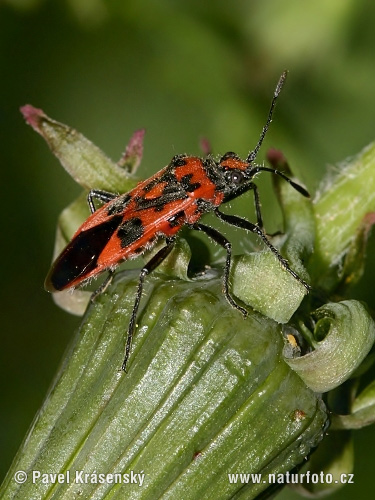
<point x="250" y="186"/>
<point x="226" y="244"/>
<point x="233" y="220"/>
<point x="103" y="287"/>
<point x="100" y="195"/>
<point x="257" y="205"/>
<point x="148" y="268"/>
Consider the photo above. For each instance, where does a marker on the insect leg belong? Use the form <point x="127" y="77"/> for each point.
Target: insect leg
<point x="249" y="226"/>
<point x="226" y="244"/>
<point x="249" y="187"/>
<point x="103" y="287"/>
<point x="254" y="188"/>
<point x="100" y="195"/>
<point x="148" y="268"/>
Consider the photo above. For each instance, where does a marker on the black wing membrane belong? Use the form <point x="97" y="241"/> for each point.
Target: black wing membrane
<point x="81" y="255"/>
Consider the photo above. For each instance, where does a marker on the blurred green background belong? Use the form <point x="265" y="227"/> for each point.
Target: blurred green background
<point x="183" y="70"/>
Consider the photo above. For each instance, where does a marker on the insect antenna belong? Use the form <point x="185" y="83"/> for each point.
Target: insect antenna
<point x="253" y="154"/>
<point x="296" y="186"/>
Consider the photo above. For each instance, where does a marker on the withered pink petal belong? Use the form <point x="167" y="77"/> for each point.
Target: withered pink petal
<point x="205" y="146"/>
<point x="32" y="116"/>
<point x="132" y="155"/>
<point x="275" y="157"/>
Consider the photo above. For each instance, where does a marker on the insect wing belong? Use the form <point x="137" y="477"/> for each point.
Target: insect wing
<point x="122" y="228"/>
<point x="79" y="260"/>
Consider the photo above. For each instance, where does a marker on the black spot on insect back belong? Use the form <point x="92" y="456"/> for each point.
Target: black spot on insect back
<point x="213" y="172"/>
<point x="189" y="186"/>
<point x="130" y="231"/>
<point x="178" y="161"/>
<point x="168" y="177"/>
<point x="151" y="185"/>
<point x="118" y="205"/>
<point x="80" y="257"/>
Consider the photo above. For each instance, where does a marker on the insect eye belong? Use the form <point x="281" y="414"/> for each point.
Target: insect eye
<point x="234" y="176"/>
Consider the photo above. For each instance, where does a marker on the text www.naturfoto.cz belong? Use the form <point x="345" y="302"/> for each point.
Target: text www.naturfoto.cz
<point x="290" y="478"/>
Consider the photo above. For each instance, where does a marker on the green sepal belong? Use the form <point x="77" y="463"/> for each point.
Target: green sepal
<point x="259" y="281"/>
<point x="346" y="196"/>
<point x="85" y="162"/>
<point x="362" y="411"/>
<point x="207" y="393"/>
<point x="344" y="334"/>
<point x="353" y="263"/>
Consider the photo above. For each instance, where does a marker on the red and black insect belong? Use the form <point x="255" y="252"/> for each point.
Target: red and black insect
<point x="176" y="196"/>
